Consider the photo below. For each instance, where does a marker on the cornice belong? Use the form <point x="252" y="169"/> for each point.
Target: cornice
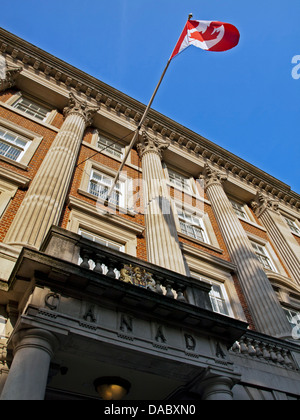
<point x="29" y="55"/>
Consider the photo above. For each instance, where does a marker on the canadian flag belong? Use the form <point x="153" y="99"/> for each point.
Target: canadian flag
<point x="208" y="35"/>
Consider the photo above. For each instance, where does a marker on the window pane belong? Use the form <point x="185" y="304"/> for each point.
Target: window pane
<point x="31" y="108"/>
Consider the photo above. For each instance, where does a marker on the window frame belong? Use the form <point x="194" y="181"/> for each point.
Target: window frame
<point x="292" y="225"/>
<point x="108" y="146"/>
<point x="239" y="209"/>
<point x="13" y="145"/>
<point x="118" y="190"/>
<point x="225" y="298"/>
<point x="185" y="183"/>
<point x="36" y="103"/>
<point x="195" y="224"/>
<point x="263" y="256"/>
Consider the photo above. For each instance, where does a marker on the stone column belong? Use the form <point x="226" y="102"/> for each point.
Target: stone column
<point x="264" y="306"/>
<point x="43" y="203"/>
<point x="217" y="388"/>
<point x="27" y="378"/>
<point x="287" y="246"/>
<point x="163" y="246"/>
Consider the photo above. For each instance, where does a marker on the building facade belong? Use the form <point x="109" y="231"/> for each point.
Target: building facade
<point x="186" y="283"/>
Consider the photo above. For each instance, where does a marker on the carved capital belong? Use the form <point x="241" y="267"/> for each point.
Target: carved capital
<point x="79" y="107"/>
<point x="8" y="75"/>
<point x="149" y="144"/>
<point x="212" y="176"/>
<point x="262" y="203"/>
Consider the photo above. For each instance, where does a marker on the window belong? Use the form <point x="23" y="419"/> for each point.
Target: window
<point x="292" y="225"/>
<point x="110" y="147"/>
<point x="263" y="256"/>
<point x="12" y="145"/>
<point x="31" y="108"/>
<point x="192" y="225"/>
<point x="100" y="240"/>
<point x="239" y="210"/>
<point x="218" y="300"/>
<point x="218" y="296"/>
<point x="103" y="241"/>
<point x="100" y="184"/>
<point x="179" y="181"/>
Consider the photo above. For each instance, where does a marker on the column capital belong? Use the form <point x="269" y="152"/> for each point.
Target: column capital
<point x="262" y="203"/>
<point x="37" y="338"/>
<point x="79" y="107"/>
<point x="8" y="75"/>
<point x="212" y="176"/>
<point x="149" y="144"/>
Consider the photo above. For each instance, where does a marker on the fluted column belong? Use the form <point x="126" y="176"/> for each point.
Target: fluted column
<point x="163" y="246"/>
<point x="287" y="246"/>
<point x="264" y="306"/>
<point x="43" y="203"/>
<point x="27" y="378"/>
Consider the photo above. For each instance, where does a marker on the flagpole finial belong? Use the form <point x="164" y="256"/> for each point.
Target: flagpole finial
<point x="190" y="16"/>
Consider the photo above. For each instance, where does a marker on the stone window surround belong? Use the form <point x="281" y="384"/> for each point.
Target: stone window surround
<point x="218" y="271"/>
<point x="271" y="253"/>
<point x="112" y="227"/>
<point x="94" y="143"/>
<point x="221" y="284"/>
<point x="209" y="231"/>
<point x="14" y="98"/>
<point x="84" y="185"/>
<point x="32" y="137"/>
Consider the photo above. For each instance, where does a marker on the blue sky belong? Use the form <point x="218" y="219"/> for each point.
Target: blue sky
<point x="245" y="100"/>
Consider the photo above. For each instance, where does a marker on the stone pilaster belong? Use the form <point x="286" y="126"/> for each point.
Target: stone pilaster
<point x="42" y="206"/>
<point x="287" y="246"/>
<point x="27" y="378"/>
<point x="163" y="246"/>
<point x="264" y="306"/>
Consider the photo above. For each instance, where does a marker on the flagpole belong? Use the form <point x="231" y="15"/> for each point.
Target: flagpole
<point x="133" y="141"/>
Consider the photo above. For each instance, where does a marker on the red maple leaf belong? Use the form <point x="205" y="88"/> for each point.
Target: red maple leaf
<point x="211" y="32"/>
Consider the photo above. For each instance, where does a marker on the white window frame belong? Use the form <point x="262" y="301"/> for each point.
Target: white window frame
<point x="40" y="109"/>
<point x="12" y="141"/>
<point x="103" y="181"/>
<point x="190" y="223"/>
<point x="263" y="256"/>
<point x="179" y="181"/>
<point x="292" y="225"/>
<point x="102" y="241"/>
<point x="215" y="300"/>
<point x="106" y="145"/>
<point x="239" y="210"/>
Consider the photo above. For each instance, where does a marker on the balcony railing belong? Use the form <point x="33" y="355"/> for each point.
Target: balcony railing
<point x="122" y="267"/>
<point x="267" y="349"/>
